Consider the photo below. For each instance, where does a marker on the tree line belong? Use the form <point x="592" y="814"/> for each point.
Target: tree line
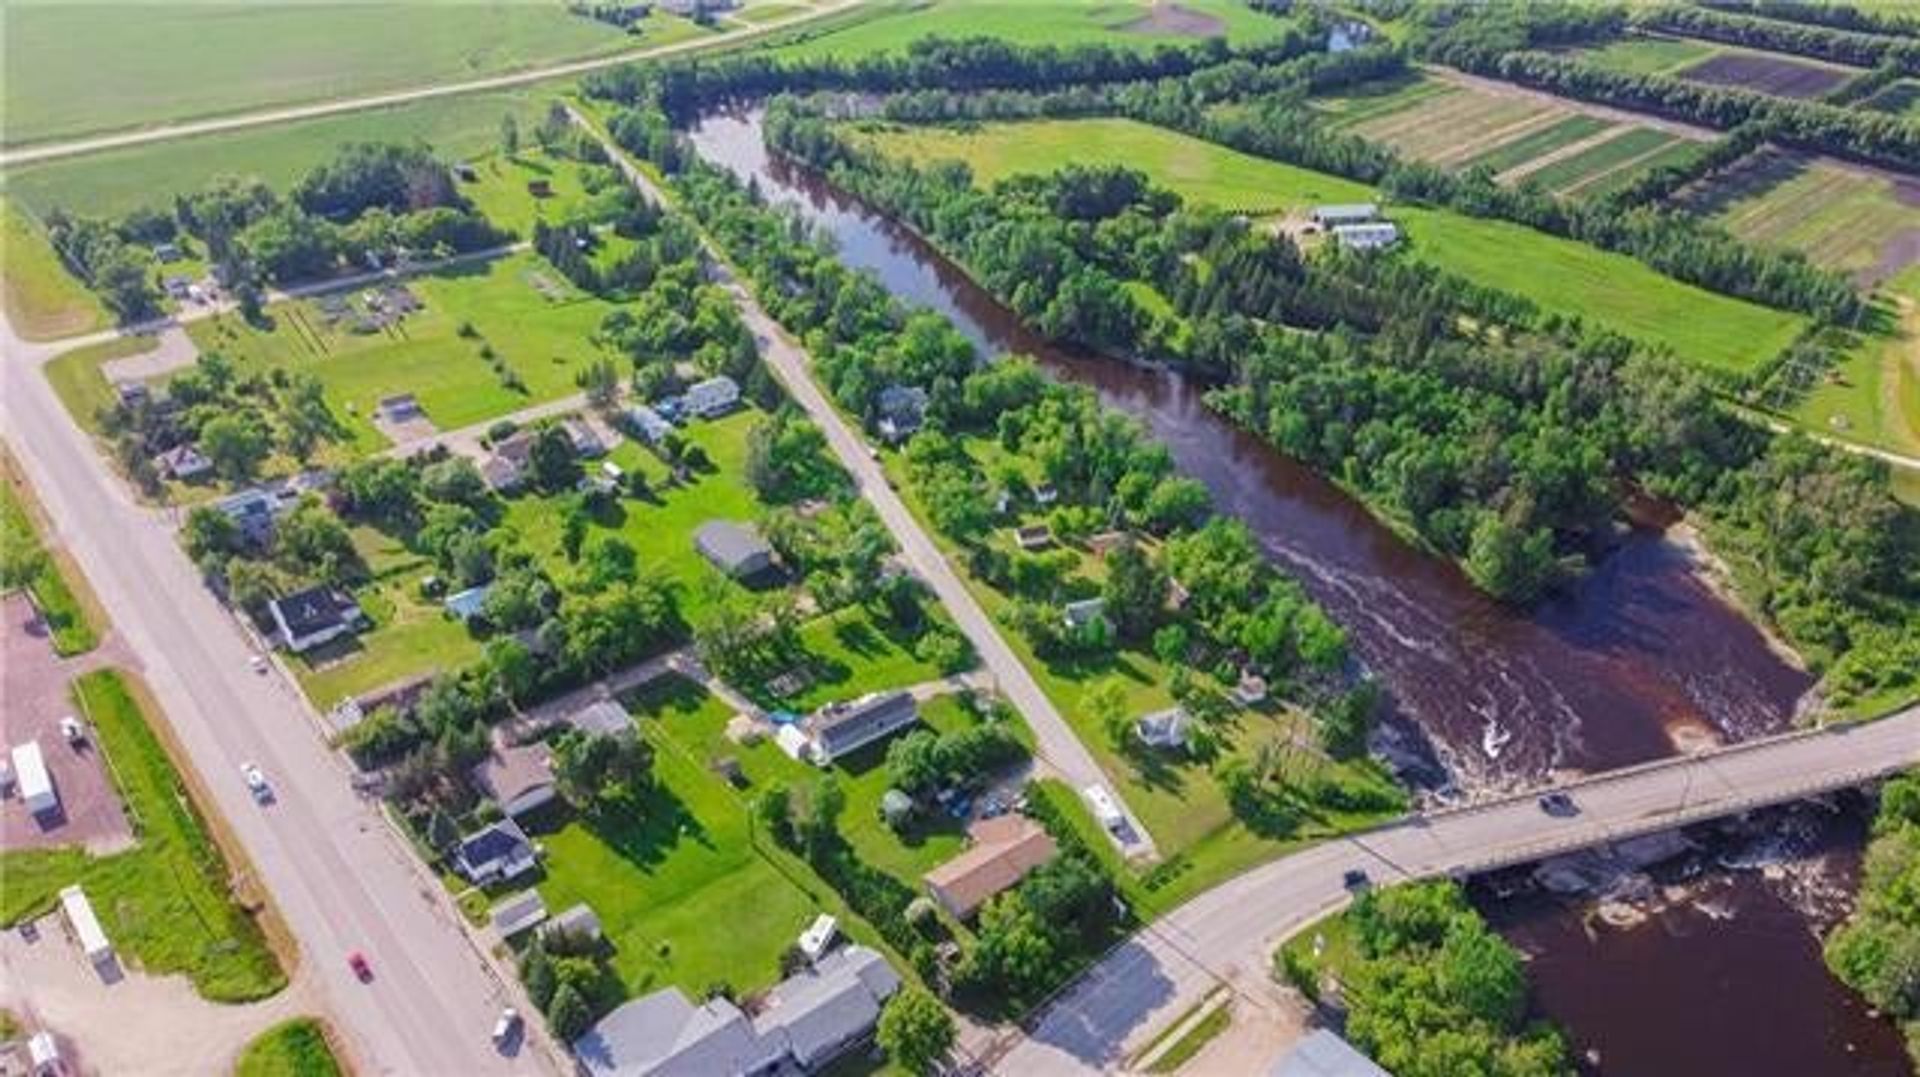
<point x="1867" y="20"/>
<point x="1771" y="35"/>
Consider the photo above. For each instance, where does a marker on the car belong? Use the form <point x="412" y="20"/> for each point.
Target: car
<point x="258" y="662"/>
<point x="357" y="961"/>
<point x="1355" y="879"/>
<point x="71" y="729"/>
<point x="256" y="782"/>
<point x="506" y="1026"/>
<point x="1558" y="804"/>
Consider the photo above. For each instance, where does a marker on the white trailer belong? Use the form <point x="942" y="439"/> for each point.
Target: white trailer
<point x="86" y="926"/>
<point x="36" y="785"/>
<point x="1105" y="808"/>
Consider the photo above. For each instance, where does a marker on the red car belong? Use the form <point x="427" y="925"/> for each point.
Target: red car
<point x="357" y="961"/>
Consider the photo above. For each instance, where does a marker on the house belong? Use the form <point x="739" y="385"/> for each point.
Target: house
<point x="602" y="716"/>
<point x="715" y="396"/>
<point x="1004" y="849"/>
<point x="839" y="728"/>
<point x="581" y="436"/>
<point x="899" y="411"/>
<point x="400" y="408"/>
<point x="84" y="924"/>
<point x="497" y="853"/>
<point x="1163" y="729"/>
<point x="253" y="511"/>
<point x="519" y="913"/>
<point x="506" y="467"/>
<point x="579" y="922"/>
<point x="1033" y="537"/>
<point x="468" y="604"/>
<point x="1081" y="614"/>
<point x="818" y="938"/>
<point x="1367" y="237"/>
<point x="315" y="616"/>
<point x="818" y="1013"/>
<point x="519" y="778"/>
<point x="1322" y="1053"/>
<point x="1337" y="215"/>
<point x="35" y="784"/>
<point x="651" y="426"/>
<point x="693" y="9"/>
<point x="735" y="549"/>
<point x="183" y="463"/>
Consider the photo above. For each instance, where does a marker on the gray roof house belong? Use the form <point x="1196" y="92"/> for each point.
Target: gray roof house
<point x="1163" y="729"/>
<point x="715" y="396"/>
<point x="315" y="616"/>
<point x="582" y="437"/>
<point x="1353" y="213"/>
<point x="1084" y="612"/>
<point x="839" y="728"/>
<point x="809" y="1020"/>
<point x="496" y="853"/>
<point x="648" y="423"/>
<point x="1367" y="237"/>
<point x="602" y="716"/>
<point x="735" y="549"/>
<point x="253" y="511"/>
<point x="519" y="913"/>
<point x="468" y="604"/>
<point x="517" y="777"/>
<point x="182" y="462"/>
<point x="899" y="410"/>
<point x="1322" y="1053"/>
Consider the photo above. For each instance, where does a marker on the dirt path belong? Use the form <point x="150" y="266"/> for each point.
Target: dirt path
<point x="173" y="350"/>
<point x="1618" y="115"/>
<point x="135" y="1023"/>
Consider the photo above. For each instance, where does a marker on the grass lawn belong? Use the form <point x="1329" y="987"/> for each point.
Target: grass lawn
<point x="1357" y="104"/>
<point x="852" y="655"/>
<point x="166" y="903"/>
<point x="116" y="181"/>
<point x="78" y="382"/>
<point x="500" y="191"/>
<point x="546" y="341"/>
<point x="893" y="24"/>
<point x="661" y="530"/>
<point x="1715" y="331"/>
<point x="410" y="634"/>
<point x="296" y="1048"/>
<point x="43" y="301"/>
<point x="661" y="884"/>
<point x="1873" y="395"/>
<point x="80" y="68"/>
<point x="25" y="561"/>
<point x="1648" y="55"/>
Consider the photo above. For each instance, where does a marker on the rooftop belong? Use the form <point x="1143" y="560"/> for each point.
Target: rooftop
<point x="733" y="547"/>
<point x="1004" y="849"/>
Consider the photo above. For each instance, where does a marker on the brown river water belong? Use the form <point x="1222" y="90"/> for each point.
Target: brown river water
<point x="1635" y="661"/>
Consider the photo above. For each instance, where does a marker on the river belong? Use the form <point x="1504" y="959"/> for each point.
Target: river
<point x="1636" y="661"/>
<point x="1639" y="660"/>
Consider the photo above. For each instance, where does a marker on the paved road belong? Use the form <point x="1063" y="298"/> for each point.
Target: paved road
<point x="1056" y="744"/>
<point x="291" y="113"/>
<point x="1228" y="934"/>
<point x="343" y="880"/>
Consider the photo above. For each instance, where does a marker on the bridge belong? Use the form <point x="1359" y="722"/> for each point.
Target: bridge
<point x="1227" y="935"/>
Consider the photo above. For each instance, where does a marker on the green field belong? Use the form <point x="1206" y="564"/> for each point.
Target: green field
<point x="1648" y="55"/>
<point x="26" y="562"/>
<point x="81" y="68"/>
<point x="660" y="882"/>
<point x="166" y="904"/>
<point x="1357" y="104"/>
<point x="1839" y="217"/>
<point x="1560" y="275"/>
<point x="116" y="181"/>
<point x="296" y="1048"/>
<point x="1521" y="150"/>
<point x="893" y="24"/>
<point x="1873" y="395"/>
<point x="1569" y="174"/>
<point x="546" y="341"/>
<point x="43" y="301"/>
<point x="1453" y="128"/>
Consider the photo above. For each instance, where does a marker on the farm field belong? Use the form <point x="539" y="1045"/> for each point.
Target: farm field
<point x="1649" y="55"/>
<point x="166" y="903"/>
<point x="1519" y="137"/>
<point x="1843" y="218"/>
<point x="77" y="69"/>
<point x="1561" y="275"/>
<point x="894" y="24"/>
<point x="526" y="312"/>
<point x="1768" y="73"/>
<point x="115" y="182"/>
<point x="43" y="301"/>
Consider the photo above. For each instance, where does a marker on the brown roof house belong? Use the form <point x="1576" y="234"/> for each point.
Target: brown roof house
<point x="519" y="777"/>
<point x="1004" y="849"/>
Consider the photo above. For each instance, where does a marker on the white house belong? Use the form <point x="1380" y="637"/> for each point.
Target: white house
<point x="499" y="853"/>
<point x="315" y="617"/>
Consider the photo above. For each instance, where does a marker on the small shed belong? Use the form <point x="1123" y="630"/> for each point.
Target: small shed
<point x="735" y="549"/>
<point x="579" y="922"/>
<point x="519" y="913"/>
<point x="818" y="938"/>
<point x="1033" y="537"/>
<point x="468" y="604"/>
<point x="896" y="808"/>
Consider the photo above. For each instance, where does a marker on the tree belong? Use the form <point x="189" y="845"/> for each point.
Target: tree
<point x="600" y="381"/>
<point x="1135" y="589"/>
<point x="313" y="542"/>
<point x="1106" y="703"/>
<point x="913" y="761"/>
<point x="568" y="1013"/>
<point x="236" y="444"/>
<point x="554" y="467"/>
<point x="536" y="974"/>
<point x="210" y="535"/>
<point x="1510" y="563"/>
<point x="916" y="1031"/>
<point x="773" y="812"/>
<point x="601" y="773"/>
<point x="509" y="134"/>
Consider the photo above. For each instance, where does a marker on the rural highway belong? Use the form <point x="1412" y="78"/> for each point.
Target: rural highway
<point x="1056" y="745"/>
<point x="1227" y="935"/>
<point x="163" y="132"/>
<point x="343" y="880"/>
